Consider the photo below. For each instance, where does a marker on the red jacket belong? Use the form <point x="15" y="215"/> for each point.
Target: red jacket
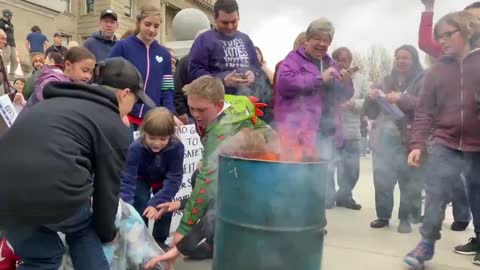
<point x="426" y="42"/>
<point x="448" y="104"/>
<point x="8" y="259"/>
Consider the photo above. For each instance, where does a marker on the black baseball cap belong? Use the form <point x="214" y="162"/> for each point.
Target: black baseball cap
<point x="108" y="12"/>
<point x="57" y="34"/>
<point x="7" y="13"/>
<point x="120" y="74"/>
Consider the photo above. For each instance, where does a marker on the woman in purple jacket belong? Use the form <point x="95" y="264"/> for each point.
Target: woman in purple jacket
<point x="310" y="89"/>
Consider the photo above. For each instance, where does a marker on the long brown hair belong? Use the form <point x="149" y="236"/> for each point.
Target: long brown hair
<point x="144" y="12"/>
<point x="77" y="54"/>
<point x="127" y="33"/>
<point x="158" y="122"/>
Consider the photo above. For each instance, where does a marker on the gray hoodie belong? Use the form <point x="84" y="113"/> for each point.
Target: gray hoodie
<point x="99" y="46"/>
<point x="350" y="118"/>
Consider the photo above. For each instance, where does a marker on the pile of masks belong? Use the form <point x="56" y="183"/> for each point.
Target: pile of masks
<point x="133" y="248"/>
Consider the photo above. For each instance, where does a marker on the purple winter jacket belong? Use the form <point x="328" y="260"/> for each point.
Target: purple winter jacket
<point x="48" y="74"/>
<point x="300" y="92"/>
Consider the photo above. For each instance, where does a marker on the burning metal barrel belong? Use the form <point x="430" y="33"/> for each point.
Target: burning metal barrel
<point x="270" y="215"/>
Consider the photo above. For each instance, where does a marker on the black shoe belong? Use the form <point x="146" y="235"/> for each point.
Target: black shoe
<point x="349" y="204"/>
<point x="404" y="227"/>
<point x="476" y="260"/>
<point x="379" y="223"/>
<point x="459" y="226"/>
<point x="203" y="251"/>
<point x="471" y="248"/>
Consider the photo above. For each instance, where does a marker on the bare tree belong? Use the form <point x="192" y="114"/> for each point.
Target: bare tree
<point x="359" y="60"/>
<point x="379" y="62"/>
<point x="375" y="64"/>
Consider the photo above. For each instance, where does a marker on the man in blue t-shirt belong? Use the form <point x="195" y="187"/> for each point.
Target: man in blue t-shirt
<point x="36" y="42"/>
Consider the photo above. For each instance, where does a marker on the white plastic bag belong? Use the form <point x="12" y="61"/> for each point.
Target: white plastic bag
<point x="134" y="247"/>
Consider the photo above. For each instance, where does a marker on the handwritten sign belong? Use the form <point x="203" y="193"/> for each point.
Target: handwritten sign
<point x="193" y="154"/>
<point x="7" y="110"/>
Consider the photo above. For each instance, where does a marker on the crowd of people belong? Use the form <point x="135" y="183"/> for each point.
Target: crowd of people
<point x="107" y="112"/>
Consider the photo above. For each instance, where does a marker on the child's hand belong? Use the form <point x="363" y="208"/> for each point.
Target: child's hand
<point x="169" y="258"/>
<point x="169" y="207"/>
<point x="152" y="213"/>
<point x="19" y="99"/>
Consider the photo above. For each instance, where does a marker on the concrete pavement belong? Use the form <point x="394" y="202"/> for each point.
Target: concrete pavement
<point x="352" y="244"/>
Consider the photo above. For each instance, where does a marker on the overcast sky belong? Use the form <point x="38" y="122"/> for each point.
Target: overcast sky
<point x="274" y="24"/>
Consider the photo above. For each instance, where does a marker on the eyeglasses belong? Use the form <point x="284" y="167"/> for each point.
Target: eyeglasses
<point x="446" y="35"/>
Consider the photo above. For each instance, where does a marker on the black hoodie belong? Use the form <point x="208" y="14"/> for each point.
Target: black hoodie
<point x="77" y="132"/>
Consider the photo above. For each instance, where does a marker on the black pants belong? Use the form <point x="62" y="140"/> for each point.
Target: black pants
<point x="390" y="167"/>
<point x="161" y="228"/>
<point x="198" y="243"/>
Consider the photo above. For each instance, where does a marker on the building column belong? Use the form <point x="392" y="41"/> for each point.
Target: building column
<point x="163" y="27"/>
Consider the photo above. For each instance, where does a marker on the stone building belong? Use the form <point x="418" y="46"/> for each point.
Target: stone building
<point x="77" y="19"/>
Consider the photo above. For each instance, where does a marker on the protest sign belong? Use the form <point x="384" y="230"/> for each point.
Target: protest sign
<point x="7" y="112"/>
<point x="193" y="154"/>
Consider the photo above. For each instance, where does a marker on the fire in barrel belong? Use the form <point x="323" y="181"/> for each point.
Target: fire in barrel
<point x="270" y="214"/>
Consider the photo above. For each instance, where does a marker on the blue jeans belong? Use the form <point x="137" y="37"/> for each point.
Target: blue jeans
<point x="161" y="228"/>
<point x="348" y="169"/>
<point x="459" y="198"/>
<point x="41" y="247"/>
<point x="445" y="166"/>
<point x="326" y="147"/>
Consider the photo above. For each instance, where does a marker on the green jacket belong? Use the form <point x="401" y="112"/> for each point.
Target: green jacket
<point x="30" y="84"/>
<point x="241" y="114"/>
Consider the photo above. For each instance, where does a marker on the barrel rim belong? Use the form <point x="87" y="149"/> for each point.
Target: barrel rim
<point x="322" y="162"/>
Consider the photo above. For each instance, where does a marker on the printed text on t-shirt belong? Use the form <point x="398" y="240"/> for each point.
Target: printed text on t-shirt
<point x="235" y="53"/>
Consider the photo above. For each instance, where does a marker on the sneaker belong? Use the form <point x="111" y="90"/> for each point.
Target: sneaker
<point x="379" y="223"/>
<point x="471" y="248"/>
<point x="459" y="226"/>
<point x="404" y="227"/>
<point x="422" y="253"/>
<point x="476" y="260"/>
<point x="349" y="204"/>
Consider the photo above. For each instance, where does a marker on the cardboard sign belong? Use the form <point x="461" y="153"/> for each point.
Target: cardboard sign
<point x="193" y="154"/>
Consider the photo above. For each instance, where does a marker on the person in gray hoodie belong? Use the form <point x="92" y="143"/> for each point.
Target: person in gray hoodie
<point x="348" y="166"/>
<point x="101" y="42"/>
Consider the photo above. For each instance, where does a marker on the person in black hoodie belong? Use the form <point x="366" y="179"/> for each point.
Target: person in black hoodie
<point x="45" y="186"/>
